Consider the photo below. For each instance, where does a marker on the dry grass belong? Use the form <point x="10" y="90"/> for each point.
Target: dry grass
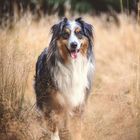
<point x="113" y="108"/>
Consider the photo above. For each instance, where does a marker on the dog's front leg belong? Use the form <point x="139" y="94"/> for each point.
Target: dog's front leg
<point x="52" y="124"/>
<point x="76" y="123"/>
<point x="55" y="135"/>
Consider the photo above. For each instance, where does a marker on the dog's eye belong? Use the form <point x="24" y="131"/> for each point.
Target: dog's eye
<point x="65" y="35"/>
<point x="79" y="34"/>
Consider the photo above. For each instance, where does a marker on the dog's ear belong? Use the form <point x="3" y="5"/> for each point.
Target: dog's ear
<point x="57" y="28"/>
<point x="87" y="28"/>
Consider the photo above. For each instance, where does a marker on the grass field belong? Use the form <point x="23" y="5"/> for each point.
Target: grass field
<point x="113" y="110"/>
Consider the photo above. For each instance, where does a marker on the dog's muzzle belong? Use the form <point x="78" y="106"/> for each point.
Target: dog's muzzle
<point x="74" y="51"/>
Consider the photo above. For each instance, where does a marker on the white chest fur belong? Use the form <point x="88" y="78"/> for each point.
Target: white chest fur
<point x="72" y="80"/>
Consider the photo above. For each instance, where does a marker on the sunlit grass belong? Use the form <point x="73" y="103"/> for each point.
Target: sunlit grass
<point x="114" y="104"/>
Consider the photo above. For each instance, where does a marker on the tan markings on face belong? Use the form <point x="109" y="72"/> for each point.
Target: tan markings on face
<point x="62" y="47"/>
<point x="84" y="46"/>
<point x="78" y="29"/>
<point x="67" y="30"/>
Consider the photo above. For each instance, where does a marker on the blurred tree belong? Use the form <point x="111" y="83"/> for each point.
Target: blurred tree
<point x="81" y="6"/>
<point x="6" y="10"/>
<point x="58" y="6"/>
<point x="52" y="6"/>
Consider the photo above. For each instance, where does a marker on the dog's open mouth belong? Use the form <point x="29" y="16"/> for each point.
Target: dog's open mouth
<point x="74" y="53"/>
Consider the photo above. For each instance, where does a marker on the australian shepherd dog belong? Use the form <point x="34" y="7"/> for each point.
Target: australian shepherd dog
<point x="64" y="76"/>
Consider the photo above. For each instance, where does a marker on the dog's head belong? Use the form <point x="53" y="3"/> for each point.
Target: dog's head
<point x="73" y="37"/>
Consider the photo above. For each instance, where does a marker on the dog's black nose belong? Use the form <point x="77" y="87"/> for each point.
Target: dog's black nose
<point x="73" y="45"/>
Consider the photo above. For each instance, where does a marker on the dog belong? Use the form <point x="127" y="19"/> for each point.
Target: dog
<point x="64" y="74"/>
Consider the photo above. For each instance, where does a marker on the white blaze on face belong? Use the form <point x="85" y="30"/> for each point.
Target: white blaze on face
<point x="73" y="38"/>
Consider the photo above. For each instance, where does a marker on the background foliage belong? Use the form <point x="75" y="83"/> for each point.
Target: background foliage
<point x="50" y="7"/>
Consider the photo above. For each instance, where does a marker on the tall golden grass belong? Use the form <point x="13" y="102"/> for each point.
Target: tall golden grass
<point x="113" y="108"/>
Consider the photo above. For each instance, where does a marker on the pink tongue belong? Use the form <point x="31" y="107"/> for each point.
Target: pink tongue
<point x="74" y="55"/>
